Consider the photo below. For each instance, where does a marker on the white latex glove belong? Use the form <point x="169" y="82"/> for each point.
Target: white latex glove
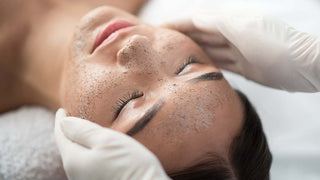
<point x="261" y="48"/>
<point x="90" y="151"/>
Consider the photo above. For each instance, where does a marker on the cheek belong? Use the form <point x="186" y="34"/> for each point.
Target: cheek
<point x="172" y="47"/>
<point x="80" y="92"/>
<point x="84" y="90"/>
<point x="192" y="111"/>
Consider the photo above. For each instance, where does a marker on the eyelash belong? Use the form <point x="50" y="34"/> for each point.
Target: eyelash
<point x="124" y="100"/>
<point x="190" y="60"/>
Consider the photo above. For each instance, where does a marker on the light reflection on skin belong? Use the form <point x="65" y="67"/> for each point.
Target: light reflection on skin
<point x="195" y="118"/>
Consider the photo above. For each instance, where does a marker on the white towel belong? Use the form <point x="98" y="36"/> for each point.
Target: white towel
<point x="27" y="146"/>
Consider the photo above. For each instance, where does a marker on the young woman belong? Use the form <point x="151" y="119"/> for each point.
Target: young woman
<point x="151" y="83"/>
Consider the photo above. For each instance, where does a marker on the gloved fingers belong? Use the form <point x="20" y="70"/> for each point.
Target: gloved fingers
<point x="207" y="22"/>
<point x="84" y="132"/>
<point x="211" y="39"/>
<point x="65" y="146"/>
<point x="183" y="24"/>
<point x="229" y="66"/>
<point x="61" y="113"/>
<point x="228" y="26"/>
<point x="92" y="135"/>
<point x="187" y="26"/>
<point x="61" y="141"/>
<point x="219" y="54"/>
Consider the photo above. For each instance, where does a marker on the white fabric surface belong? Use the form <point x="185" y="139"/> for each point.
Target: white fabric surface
<point x="27" y="147"/>
<point x="291" y="120"/>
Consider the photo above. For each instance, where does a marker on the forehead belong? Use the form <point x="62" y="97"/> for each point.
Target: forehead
<point x="174" y="42"/>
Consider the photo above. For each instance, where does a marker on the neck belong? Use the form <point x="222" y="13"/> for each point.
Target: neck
<point x="44" y="53"/>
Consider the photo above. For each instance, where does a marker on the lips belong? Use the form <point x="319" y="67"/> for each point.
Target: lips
<point x="105" y="34"/>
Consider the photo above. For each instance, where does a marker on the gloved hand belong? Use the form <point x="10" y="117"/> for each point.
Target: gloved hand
<point x="261" y="48"/>
<point x="90" y="151"/>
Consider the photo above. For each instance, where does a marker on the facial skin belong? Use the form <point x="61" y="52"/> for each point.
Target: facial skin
<point x="195" y="117"/>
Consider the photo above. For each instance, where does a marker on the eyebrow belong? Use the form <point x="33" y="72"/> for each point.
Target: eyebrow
<point x="147" y="117"/>
<point x="216" y="76"/>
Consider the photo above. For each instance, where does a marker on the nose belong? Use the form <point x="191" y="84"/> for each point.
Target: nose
<point x="136" y="52"/>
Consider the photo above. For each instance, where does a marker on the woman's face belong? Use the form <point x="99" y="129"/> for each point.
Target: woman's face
<point x="154" y="84"/>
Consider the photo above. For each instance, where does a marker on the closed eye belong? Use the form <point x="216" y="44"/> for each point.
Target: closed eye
<point x="189" y="60"/>
<point x="122" y="102"/>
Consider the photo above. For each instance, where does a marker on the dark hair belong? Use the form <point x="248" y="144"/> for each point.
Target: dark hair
<point x="250" y="157"/>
